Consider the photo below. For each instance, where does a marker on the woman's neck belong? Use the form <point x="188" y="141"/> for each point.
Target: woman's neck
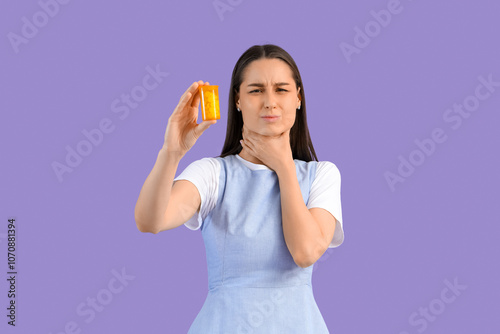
<point x="249" y="157"/>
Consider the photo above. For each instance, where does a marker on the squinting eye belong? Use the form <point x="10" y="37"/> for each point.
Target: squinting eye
<point x="256" y="90"/>
<point x="282" y="90"/>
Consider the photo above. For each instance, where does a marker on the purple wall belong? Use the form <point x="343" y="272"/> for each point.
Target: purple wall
<point x="404" y="97"/>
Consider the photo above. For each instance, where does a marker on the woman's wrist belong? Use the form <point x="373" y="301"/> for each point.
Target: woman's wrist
<point x="287" y="169"/>
<point x="169" y="154"/>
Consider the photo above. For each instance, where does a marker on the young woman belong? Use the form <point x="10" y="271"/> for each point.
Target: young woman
<point x="266" y="207"/>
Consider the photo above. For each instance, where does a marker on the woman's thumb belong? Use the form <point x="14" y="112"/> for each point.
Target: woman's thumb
<point x="205" y="125"/>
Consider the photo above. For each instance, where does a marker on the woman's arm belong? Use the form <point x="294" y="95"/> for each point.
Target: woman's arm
<point x="163" y="205"/>
<point x="160" y="205"/>
<point x="308" y="232"/>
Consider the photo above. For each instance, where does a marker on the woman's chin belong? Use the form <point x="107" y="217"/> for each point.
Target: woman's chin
<point x="271" y="132"/>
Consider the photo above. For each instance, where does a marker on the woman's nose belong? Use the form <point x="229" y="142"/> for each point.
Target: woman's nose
<point x="270" y="101"/>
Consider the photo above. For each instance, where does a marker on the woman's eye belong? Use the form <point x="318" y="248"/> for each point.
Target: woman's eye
<point x="258" y="90"/>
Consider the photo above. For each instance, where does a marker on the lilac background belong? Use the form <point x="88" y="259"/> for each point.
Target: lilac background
<point x="400" y="246"/>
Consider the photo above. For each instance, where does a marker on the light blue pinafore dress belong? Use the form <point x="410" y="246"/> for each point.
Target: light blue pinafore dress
<point x="254" y="284"/>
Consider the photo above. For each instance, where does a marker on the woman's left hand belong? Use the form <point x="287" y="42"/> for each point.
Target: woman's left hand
<point x="274" y="152"/>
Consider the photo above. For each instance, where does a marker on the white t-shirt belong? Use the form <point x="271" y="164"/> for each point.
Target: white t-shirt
<point x="324" y="193"/>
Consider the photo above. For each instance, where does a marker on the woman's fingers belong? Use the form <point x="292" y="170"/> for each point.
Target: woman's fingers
<point x="204" y="125"/>
<point x="196" y="98"/>
<point x="195" y="102"/>
<point x="245" y="143"/>
<point x="187" y="96"/>
<point x="182" y="130"/>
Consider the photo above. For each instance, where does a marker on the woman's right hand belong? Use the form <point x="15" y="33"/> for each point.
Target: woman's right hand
<point x="182" y="128"/>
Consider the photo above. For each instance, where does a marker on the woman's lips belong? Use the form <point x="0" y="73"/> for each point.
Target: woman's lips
<point x="270" y="118"/>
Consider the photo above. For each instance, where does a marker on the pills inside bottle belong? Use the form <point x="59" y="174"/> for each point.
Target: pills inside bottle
<point x="209" y="96"/>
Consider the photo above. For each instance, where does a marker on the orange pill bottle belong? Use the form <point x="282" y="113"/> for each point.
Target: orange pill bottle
<point x="209" y="96"/>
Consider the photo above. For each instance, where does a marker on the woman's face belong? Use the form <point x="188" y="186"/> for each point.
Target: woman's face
<point x="268" y="97"/>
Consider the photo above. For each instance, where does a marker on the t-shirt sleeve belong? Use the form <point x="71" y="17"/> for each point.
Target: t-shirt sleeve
<point x="204" y="174"/>
<point x="325" y="194"/>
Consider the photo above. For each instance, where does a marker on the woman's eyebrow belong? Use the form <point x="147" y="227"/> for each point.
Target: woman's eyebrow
<point x="262" y="85"/>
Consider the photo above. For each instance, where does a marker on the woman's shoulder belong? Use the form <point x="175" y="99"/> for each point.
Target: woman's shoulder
<point x="206" y="161"/>
<point x="203" y="167"/>
<point x="327" y="164"/>
<point x="324" y="168"/>
<point x="327" y="170"/>
<point x="328" y="167"/>
<point x="322" y="164"/>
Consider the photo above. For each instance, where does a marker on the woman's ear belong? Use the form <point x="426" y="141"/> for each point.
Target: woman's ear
<point x="237" y="99"/>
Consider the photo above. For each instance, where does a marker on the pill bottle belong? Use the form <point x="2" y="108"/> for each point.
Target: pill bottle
<point x="209" y="96"/>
